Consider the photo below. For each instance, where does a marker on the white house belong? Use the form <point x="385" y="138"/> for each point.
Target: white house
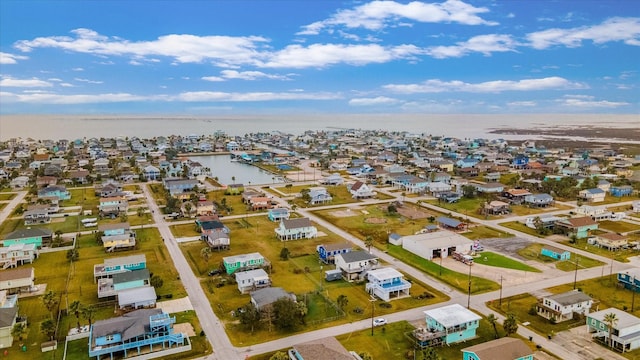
<point x="387" y="284"/>
<point x="252" y="280"/>
<point x="360" y="190"/>
<point x="562" y="307"/>
<point x="294" y="229"/>
<point x="625" y="332"/>
<point x="592" y="195"/>
<point x="353" y="264"/>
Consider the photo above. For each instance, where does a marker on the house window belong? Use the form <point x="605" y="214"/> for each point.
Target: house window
<point x="109" y="338"/>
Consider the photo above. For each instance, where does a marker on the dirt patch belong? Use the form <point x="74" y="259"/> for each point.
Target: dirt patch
<point x="185" y="328"/>
<point x="375" y="220"/>
<point x="344" y="213"/>
<point x="412" y="213"/>
<point x="58" y="220"/>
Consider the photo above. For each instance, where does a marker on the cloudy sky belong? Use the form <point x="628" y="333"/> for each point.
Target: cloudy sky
<point x="320" y="56"/>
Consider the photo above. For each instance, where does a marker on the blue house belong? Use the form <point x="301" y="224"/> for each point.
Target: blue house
<point x="140" y="331"/>
<point x="278" y="214"/>
<point x="447" y="325"/>
<point x="506" y="348"/>
<point x="555" y="253"/>
<point x="328" y="252"/>
<point x="630" y="279"/>
<point x="520" y="161"/>
<point x="56" y="191"/>
<point x="117" y="265"/>
<point x="176" y="186"/>
<point x="115" y="229"/>
<point x="620" y="191"/>
<point x="466" y="162"/>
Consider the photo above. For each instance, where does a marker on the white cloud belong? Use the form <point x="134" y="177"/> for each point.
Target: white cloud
<point x="378" y="14"/>
<point x="587" y="102"/>
<point x="380" y="100"/>
<point x="78" y="69"/>
<point x="251" y="75"/>
<point x="182" y="48"/>
<point x="88" y="81"/>
<point x="25" y="83"/>
<point x="6" y="58"/>
<point x="522" y="103"/>
<point x="626" y="30"/>
<point x="67" y="85"/>
<point x="196" y="96"/>
<point x="321" y="55"/>
<point x="497" y="86"/>
<point x="51" y="98"/>
<point x="212" y="78"/>
<point x="485" y="44"/>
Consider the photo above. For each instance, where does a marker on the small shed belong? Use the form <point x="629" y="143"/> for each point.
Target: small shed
<point x="555" y="253"/>
<point x="332" y="275"/>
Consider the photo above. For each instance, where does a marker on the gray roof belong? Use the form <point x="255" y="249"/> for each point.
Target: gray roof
<point x="505" y="348"/>
<point x="28" y="233"/>
<point x="449" y="221"/>
<point x="354" y="256"/>
<point x="7" y="316"/>
<point x="125" y="260"/>
<point x="570" y="297"/>
<point x="136" y="295"/>
<point x="297" y="223"/>
<point x="322" y="349"/>
<point x="127" y="276"/>
<point x="128" y="325"/>
<point x="268" y="296"/>
<point x="625" y="319"/>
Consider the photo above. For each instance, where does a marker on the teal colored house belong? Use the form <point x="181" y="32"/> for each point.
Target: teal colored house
<point x="116" y="265"/>
<point x="555" y="253"/>
<point x="578" y="226"/>
<point x="131" y="279"/>
<point x="56" y="191"/>
<point x="505" y="348"/>
<point x="630" y="279"/>
<point x="447" y="325"/>
<point x="243" y="262"/>
<point x="34" y="236"/>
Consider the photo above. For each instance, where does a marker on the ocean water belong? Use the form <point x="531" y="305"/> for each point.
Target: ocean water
<point x="55" y="127"/>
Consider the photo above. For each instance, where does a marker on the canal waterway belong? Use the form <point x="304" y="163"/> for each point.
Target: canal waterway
<point x="226" y="170"/>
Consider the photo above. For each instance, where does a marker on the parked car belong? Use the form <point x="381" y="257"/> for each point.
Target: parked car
<point x="379" y="322"/>
<point x="215" y="272"/>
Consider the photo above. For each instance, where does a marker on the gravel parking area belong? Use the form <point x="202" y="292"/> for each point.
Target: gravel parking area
<point x="506" y="246"/>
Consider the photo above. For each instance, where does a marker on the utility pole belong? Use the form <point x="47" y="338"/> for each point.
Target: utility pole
<point x="575" y="276"/>
<point x="633" y="295"/>
<point x="372" y="300"/>
<point x="500" y="292"/>
<point x="469" y="291"/>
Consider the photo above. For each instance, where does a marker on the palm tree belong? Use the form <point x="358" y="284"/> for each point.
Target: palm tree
<point x="73" y="254"/>
<point x="18" y="330"/>
<point x="75" y="308"/>
<point x="493" y="320"/>
<point x="48" y="328"/>
<point x="368" y="241"/>
<point x="611" y="320"/>
<point x="88" y="312"/>
<point x="50" y="300"/>
<point x="510" y="324"/>
<point x="342" y="301"/>
<point x="206" y="253"/>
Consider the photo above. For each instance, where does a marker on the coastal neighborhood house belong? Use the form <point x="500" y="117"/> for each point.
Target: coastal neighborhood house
<point x="555" y="252"/>
<point x="295" y="229"/>
<point x="387" y="284"/>
<point x="506" y="348"/>
<point x="148" y="330"/>
<point x="263" y="298"/>
<point x="34" y="236"/>
<point x="321" y="349"/>
<point x="625" y="332"/>
<point x="630" y="279"/>
<point x="278" y="214"/>
<point x="243" y="262"/>
<point x="8" y="318"/>
<point x="447" y="325"/>
<point x="564" y="306"/>
<point x="117" y="236"/>
<point x="112" y="266"/>
<point x="578" y="226"/>
<point x="327" y="253"/>
<point x="18" y="254"/>
<point x="252" y="280"/>
<point x="17" y="280"/>
<point x="354" y="264"/>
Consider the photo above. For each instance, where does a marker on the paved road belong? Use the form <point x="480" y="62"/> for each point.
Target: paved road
<point x="8" y="209"/>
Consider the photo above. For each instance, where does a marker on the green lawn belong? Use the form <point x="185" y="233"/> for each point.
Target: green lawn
<point x="618" y="226"/>
<point x="492" y="259"/>
<point x="532" y="252"/>
<point x="184" y="230"/>
<point x="301" y="274"/>
<point x="3" y="205"/>
<point x="484" y="232"/>
<point x="516" y="225"/>
<point x="7" y="196"/>
<point x="457" y="280"/>
<point x="620" y="255"/>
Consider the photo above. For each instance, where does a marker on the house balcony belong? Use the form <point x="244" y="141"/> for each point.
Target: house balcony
<point x="170" y="339"/>
<point x="429" y="337"/>
<point x="390" y="287"/>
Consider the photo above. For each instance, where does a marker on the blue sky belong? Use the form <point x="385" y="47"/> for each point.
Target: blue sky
<point x="320" y="56"/>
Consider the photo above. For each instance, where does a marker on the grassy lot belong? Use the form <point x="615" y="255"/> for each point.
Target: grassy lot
<point x="464" y="206"/>
<point x="457" y="280"/>
<point x="340" y="195"/>
<point x="75" y="282"/>
<point x="393" y="343"/>
<point x="232" y="201"/>
<point x="184" y="230"/>
<point x="3" y="205"/>
<point x="85" y="197"/>
<point x="618" y="226"/>
<point x="7" y="196"/>
<point x="484" y="232"/>
<point x="614" y="200"/>
<point x="492" y="259"/>
<point x="132" y="187"/>
<point x="301" y="274"/>
<point x="360" y="222"/>
<point x="516" y="225"/>
<point x="532" y="252"/>
<point x="158" y="192"/>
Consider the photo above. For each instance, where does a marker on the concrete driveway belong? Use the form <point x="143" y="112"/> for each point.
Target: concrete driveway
<point x="578" y="341"/>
